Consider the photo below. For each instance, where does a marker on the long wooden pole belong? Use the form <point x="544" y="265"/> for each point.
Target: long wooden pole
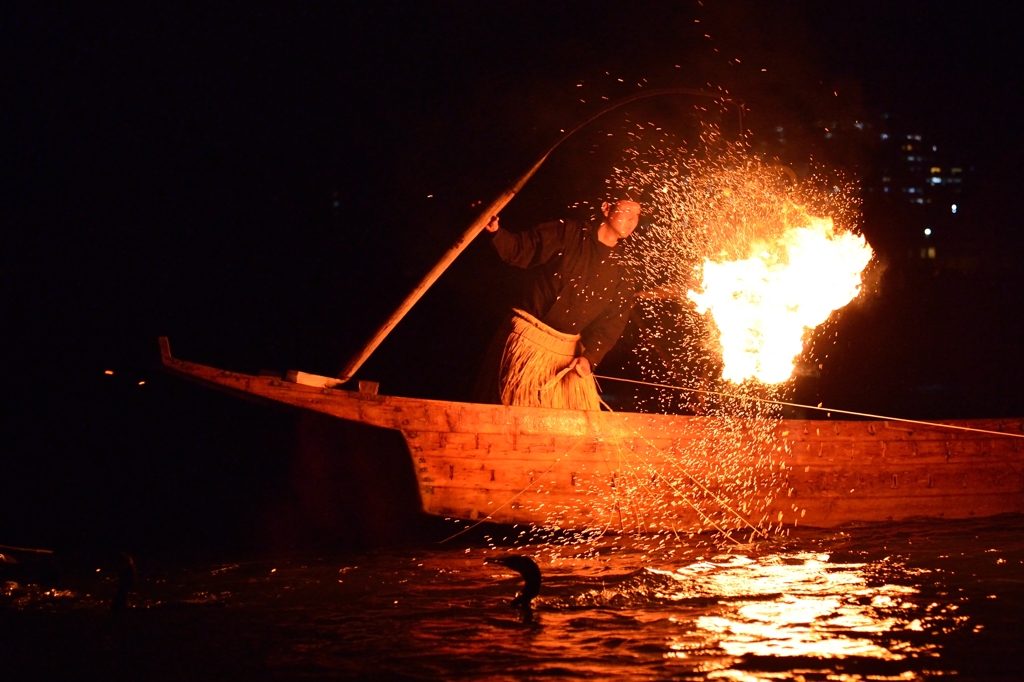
<point x="484" y="218"/>
<point x="414" y="296"/>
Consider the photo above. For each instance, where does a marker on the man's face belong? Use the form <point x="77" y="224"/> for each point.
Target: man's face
<point x="622" y="217"/>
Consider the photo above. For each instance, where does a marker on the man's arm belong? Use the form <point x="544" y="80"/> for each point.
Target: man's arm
<point x="601" y="335"/>
<point x="531" y="248"/>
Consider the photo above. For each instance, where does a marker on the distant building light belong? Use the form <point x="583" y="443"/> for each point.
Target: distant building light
<point x="936" y="169"/>
<point x="957" y="171"/>
<point x="885" y="189"/>
<point x="919" y="200"/>
<point x="931" y="252"/>
<point x="828" y="136"/>
<point x="911" y="189"/>
<point x="935" y="148"/>
<point x="778" y="129"/>
<point x="886" y="178"/>
<point x="936" y="181"/>
<point x="859" y="125"/>
<point x="927" y="232"/>
<point x="953" y="208"/>
<point x="916" y="137"/>
<point x="885" y="136"/>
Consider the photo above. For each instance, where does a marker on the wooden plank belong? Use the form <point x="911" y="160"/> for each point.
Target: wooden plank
<point x="815" y="472"/>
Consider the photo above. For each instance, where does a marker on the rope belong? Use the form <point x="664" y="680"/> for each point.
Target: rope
<point x="704" y="517"/>
<point x="813" y="407"/>
<point x="688" y="475"/>
<point x="509" y="500"/>
<point x="693" y="506"/>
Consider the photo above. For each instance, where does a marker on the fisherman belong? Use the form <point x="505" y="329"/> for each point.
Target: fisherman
<point x="571" y="316"/>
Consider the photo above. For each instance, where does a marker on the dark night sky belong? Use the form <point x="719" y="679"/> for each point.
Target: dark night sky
<point x="254" y="184"/>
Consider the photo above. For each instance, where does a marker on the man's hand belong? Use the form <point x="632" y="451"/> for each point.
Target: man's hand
<point x="493" y="225"/>
<point x="582" y="366"/>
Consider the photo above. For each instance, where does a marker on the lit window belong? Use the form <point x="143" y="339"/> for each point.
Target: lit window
<point x="957" y="170"/>
<point x="953" y="208"/>
<point x="936" y="181"/>
<point x="885" y="189"/>
<point x="936" y="169"/>
<point x="886" y="178"/>
<point x="919" y="200"/>
<point x="927" y="232"/>
<point x="934" y="148"/>
<point x="911" y="189"/>
<point x="885" y="136"/>
<point x="931" y="252"/>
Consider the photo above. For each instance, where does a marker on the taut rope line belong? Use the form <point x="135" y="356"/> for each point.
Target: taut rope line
<point x="509" y="500"/>
<point x="688" y="475"/>
<point x="704" y="517"/>
<point x="814" y="407"/>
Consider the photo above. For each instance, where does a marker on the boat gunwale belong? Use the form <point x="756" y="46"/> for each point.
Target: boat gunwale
<point x="796" y="430"/>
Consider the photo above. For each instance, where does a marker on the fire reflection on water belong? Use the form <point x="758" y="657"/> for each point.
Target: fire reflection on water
<point x="879" y="604"/>
<point x="797" y="605"/>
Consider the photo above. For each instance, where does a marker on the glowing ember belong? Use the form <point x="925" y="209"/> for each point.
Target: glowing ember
<point x="765" y="305"/>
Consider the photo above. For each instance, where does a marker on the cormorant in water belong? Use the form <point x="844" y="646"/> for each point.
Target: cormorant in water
<point x="527" y="568"/>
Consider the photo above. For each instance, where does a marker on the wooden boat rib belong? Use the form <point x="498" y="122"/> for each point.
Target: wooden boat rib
<point x="657" y="473"/>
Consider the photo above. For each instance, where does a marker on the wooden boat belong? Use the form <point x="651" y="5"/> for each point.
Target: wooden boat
<point x="667" y="473"/>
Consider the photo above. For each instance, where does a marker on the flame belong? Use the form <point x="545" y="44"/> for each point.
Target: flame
<point x="765" y="305"/>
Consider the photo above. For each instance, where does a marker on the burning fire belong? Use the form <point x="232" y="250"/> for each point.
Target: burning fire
<point x="765" y="305"/>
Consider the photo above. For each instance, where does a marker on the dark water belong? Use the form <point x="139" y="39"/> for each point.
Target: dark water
<point x="865" y="603"/>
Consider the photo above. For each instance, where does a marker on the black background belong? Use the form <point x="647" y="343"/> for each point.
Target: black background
<point x="264" y="184"/>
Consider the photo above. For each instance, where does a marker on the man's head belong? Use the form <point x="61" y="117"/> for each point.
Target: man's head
<point x="621" y="216"/>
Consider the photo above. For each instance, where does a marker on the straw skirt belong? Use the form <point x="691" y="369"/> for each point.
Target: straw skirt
<point x="535" y="368"/>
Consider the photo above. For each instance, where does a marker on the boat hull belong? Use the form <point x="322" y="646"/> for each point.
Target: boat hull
<point x="627" y="472"/>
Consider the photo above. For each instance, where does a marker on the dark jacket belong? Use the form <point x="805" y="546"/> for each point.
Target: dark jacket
<point x="581" y="286"/>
